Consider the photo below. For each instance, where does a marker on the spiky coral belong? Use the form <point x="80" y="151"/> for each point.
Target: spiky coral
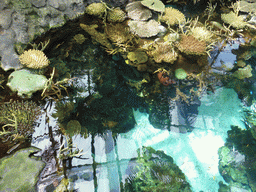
<point x="172" y="16"/>
<point x="34" y="59"/>
<point x="19" y="117"/>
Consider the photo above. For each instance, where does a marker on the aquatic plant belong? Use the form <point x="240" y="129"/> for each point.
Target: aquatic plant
<point x="172" y="16"/>
<point x="144" y="28"/>
<point x="96" y="9"/>
<point x="19" y="117"/>
<point x="116" y="15"/>
<point x="34" y="59"/>
<point x="180" y="73"/>
<point x="137" y="11"/>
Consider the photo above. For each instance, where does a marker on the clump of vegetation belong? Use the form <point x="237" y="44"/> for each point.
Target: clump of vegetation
<point x="18" y="118"/>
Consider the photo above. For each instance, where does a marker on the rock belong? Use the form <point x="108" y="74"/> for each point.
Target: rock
<point x="5" y="18"/>
<point x="19" y="172"/>
<point x="20" y="27"/>
<point x="26" y="83"/>
<point x="38" y="3"/>
<point x="10" y="60"/>
<point x="6" y="40"/>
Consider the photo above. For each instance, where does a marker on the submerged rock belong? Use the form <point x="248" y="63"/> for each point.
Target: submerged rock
<point x="26" y="83"/>
<point x="19" y="172"/>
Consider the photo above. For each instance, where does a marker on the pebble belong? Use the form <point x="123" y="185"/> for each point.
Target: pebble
<point x="38" y="3"/>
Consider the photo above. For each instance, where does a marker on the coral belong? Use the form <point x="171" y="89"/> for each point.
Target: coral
<point x="243" y="73"/>
<point x="116" y="15"/>
<point x="191" y="46"/>
<point x="26" y="83"/>
<point x="137" y="11"/>
<point x="172" y="16"/>
<point x="163" y="52"/>
<point x="97" y="36"/>
<point x="163" y="77"/>
<point x="96" y="9"/>
<point x="137" y="57"/>
<point x="234" y="20"/>
<point x="201" y="33"/>
<point x="180" y="73"/>
<point x="19" y="117"/>
<point x="118" y="33"/>
<point x="34" y="59"/>
<point x="143" y="28"/>
<point x="155" y="5"/>
<point x="79" y="38"/>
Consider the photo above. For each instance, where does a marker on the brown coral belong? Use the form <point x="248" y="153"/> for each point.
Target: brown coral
<point x="34" y="59"/>
<point x="191" y="46"/>
<point x="118" y="33"/>
<point x="163" y="52"/>
<point x="97" y="36"/>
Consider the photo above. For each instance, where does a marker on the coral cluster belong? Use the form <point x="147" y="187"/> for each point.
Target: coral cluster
<point x="163" y="52"/>
<point x="97" y="36"/>
<point x="34" y="59"/>
<point x="116" y="15"/>
<point x="191" y="46"/>
<point x="144" y="28"/>
<point x="234" y="20"/>
<point x="96" y="9"/>
<point x="137" y="11"/>
<point x="172" y="16"/>
<point x="117" y="33"/>
<point x="19" y="117"/>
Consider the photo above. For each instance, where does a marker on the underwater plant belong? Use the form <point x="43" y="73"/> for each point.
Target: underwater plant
<point x="19" y="118"/>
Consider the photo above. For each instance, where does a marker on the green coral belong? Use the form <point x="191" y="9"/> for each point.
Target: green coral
<point x="180" y="73"/>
